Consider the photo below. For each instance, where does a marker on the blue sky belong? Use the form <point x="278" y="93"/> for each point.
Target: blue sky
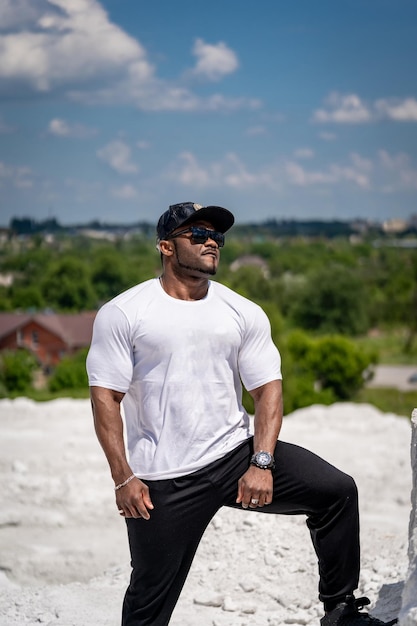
<point x="114" y="109"/>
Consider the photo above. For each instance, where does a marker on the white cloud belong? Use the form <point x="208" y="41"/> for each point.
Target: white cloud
<point x="142" y="144"/>
<point x="360" y="163"/>
<point x="125" y="192"/>
<point x="117" y="155"/>
<point x="20" y="13"/>
<point x="20" y="177"/>
<point x="256" y="131"/>
<point x="71" y="41"/>
<point x="409" y="178"/>
<point x="332" y="175"/>
<point x="381" y="173"/>
<point x="229" y="171"/>
<point x="398" y="171"/>
<point x="326" y="136"/>
<point x="217" y="102"/>
<point x="350" y="109"/>
<point x="214" y="60"/>
<point x="276" y="118"/>
<point x="237" y="175"/>
<point x="232" y="172"/>
<point x="158" y="96"/>
<point x="343" y="109"/>
<point x="396" y="162"/>
<point x="72" y="47"/>
<point x="62" y="128"/>
<point x="398" y="110"/>
<point x="304" y="153"/>
<point x="190" y="172"/>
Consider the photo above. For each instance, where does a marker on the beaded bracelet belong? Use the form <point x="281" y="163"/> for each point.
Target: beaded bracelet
<point x="117" y="487"/>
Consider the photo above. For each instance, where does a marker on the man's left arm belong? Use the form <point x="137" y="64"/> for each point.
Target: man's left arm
<point x="257" y="484"/>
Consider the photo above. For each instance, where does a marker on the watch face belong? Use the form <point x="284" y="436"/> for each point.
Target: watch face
<point x="263" y="458"/>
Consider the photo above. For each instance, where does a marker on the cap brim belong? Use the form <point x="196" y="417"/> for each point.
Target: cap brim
<point x="222" y="219"/>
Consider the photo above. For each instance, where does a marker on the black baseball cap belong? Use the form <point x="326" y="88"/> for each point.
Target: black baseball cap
<point x="189" y="212"/>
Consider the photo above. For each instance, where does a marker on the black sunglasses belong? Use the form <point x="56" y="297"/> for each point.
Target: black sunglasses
<point x="200" y="235"/>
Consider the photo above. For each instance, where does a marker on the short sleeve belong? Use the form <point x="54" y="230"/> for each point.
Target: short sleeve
<point x="259" y="358"/>
<point x="110" y="358"/>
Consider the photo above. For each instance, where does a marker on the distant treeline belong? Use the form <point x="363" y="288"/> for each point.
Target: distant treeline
<point x="29" y="226"/>
<point x="271" y="228"/>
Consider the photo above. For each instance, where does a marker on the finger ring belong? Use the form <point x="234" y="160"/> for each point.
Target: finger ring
<point x="254" y="501"/>
<point x="121" y="511"/>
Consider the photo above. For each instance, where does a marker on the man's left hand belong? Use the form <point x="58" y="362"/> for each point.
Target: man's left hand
<point x="255" y="488"/>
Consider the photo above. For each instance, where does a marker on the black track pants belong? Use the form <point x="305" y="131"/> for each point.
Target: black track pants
<point x="162" y="548"/>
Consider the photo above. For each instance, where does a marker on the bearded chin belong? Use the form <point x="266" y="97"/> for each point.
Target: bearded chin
<point x="209" y="272"/>
<point x="193" y="268"/>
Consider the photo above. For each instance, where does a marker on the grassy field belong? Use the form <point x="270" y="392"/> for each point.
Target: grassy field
<point x="389" y="346"/>
<point x="389" y="400"/>
<point x="43" y="395"/>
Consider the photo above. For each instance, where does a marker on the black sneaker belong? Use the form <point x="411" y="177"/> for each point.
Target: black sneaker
<point x="347" y="614"/>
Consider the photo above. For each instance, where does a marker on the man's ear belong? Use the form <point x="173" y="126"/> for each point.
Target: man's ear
<point x="166" y="247"/>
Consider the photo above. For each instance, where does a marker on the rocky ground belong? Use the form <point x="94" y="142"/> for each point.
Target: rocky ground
<point x="63" y="550"/>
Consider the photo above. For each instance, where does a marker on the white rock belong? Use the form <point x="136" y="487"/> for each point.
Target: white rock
<point x="5" y="582"/>
<point x="216" y="523"/>
<point x="248" y="586"/>
<point x="230" y="605"/>
<point x="18" y="467"/>
<point x="301" y="618"/>
<point x="408" y="613"/>
<point x="271" y="559"/>
<point x="209" y="600"/>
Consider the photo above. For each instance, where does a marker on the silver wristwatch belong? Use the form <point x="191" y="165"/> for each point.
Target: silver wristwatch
<point x="263" y="460"/>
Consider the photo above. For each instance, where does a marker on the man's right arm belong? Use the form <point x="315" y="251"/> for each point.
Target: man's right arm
<point x="133" y="499"/>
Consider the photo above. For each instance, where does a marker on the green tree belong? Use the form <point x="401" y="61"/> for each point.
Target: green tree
<point x="250" y="282"/>
<point x="333" y="300"/>
<point x="26" y="297"/>
<point x="16" y="370"/>
<point x="411" y="309"/>
<point x="108" y="274"/>
<point x="28" y="265"/>
<point x="67" y="286"/>
<point x="5" y="302"/>
<point x="70" y="373"/>
<point x="322" y="370"/>
<point x="339" y="365"/>
<point x="391" y="278"/>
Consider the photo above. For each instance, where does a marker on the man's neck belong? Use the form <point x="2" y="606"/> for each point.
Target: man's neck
<point x="189" y="288"/>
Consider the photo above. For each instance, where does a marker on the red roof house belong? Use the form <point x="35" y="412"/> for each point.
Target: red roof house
<point x="48" y="336"/>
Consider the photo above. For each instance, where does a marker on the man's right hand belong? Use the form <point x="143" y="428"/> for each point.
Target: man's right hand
<point x="134" y="500"/>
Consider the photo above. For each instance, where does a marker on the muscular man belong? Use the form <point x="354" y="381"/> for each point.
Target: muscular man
<point x="175" y="351"/>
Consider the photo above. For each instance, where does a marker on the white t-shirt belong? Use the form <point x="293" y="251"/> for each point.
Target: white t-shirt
<point x="180" y="364"/>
